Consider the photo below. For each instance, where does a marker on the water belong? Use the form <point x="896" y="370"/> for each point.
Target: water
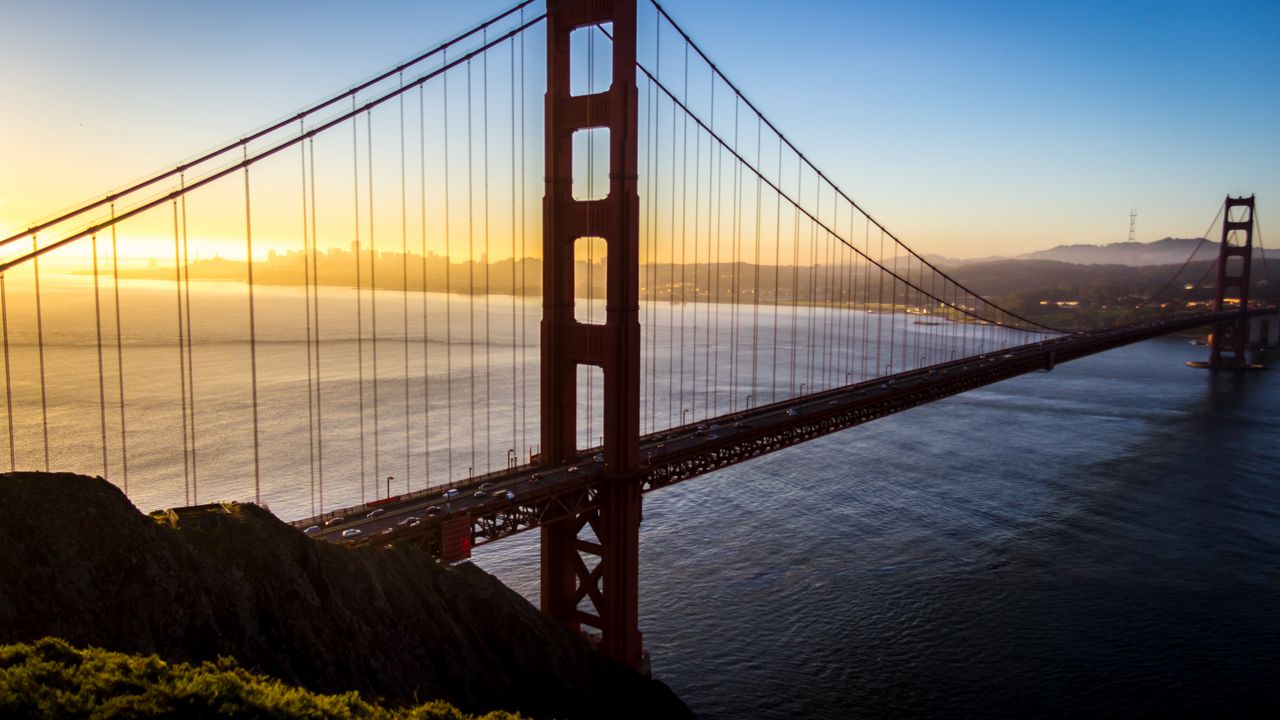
<point x="457" y="382"/>
<point x="1099" y="540"/>
<point x="1102" y="539"/>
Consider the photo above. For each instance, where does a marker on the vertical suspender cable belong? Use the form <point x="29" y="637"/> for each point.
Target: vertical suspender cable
<point x="191" y="367"/>
<point x="404" y="291"/>
<point x="182" y="357"/>
<point x="426" y="355"/>
<point x="471" y="268"/>
<point x="515" y="368"/>
<point x="315" y="307"/>
<point x="795" y="275"/>
<point x="8" y="379"/>
<point x="448" y="294"/>
<point x="777" y="275"/>
<point x="253" y="343"/>
<point x="684" y="206"/>
<point x="44" y="402"/>
<point x="97" y="328"/>
<point x="373" y="308"/>
<point x="355" y="197"/>
<point x="755" y="287"/>
<point x="115" y="275"/>
<point x="735" y="243"/>
<point x="697" y="220"/>
<point x="488" y="289"/>
<point x="524" y="365"/>
<point x="306" y="285"/>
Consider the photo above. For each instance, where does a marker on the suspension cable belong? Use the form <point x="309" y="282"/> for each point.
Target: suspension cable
<point x="716" y="70"/>
<point x="280" y="124"/>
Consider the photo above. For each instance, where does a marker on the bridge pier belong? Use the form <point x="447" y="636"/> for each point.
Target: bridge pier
<point x="602" y="595"/>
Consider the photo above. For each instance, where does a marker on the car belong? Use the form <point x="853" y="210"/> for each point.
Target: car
<point x="411" y="518"/>
<point x="485" y="486"/>
<point x="312" y="530"/>
<point x="791" y="411"/>
<point x="714" y="426"/>
<point x="572" y="469"/>
<point x="598" y="457"/>
<point x="481" y="494"/>
<point x="534" y="479"/>
<point x="712" y="436"/>
<point x="350" y="532"/>
<point x="833" y="402"/>
<point x="450" y="494"/>
<point x="433" y="510"/>
<point x="335" y="521"/>
<point x="415" y="523"/>
<point x="387" y="531"/>
<point x="375" y="512"/>
<point x="510" y="495"/>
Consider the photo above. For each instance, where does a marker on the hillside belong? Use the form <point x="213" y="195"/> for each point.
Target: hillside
<point x="82" y="564"/>
<point x="1168" y="251"/>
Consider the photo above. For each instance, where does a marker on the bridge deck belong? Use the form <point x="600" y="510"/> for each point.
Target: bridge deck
<point x="511" y="501"/>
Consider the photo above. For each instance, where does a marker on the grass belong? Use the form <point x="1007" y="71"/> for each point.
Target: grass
<point x="51" y="679"/>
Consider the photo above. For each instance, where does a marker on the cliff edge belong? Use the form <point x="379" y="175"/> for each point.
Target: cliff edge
<point x="80" y="563"/>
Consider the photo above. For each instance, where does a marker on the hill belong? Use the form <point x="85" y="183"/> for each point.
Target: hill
<point x="82" y="564"/>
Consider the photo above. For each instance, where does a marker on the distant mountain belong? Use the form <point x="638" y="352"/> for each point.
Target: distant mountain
<point x="1169" y="251"/>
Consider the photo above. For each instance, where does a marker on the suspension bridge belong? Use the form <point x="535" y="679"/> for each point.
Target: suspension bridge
<point x="515" y="282"/>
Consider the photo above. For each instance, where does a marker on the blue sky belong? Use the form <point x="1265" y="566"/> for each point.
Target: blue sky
<point x="967" y="128"/>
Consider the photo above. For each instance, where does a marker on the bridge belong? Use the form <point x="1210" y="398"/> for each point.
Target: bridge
<point x="708" y="295"/>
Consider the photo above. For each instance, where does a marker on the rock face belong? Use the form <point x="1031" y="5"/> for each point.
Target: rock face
<point x="79" y="562"/>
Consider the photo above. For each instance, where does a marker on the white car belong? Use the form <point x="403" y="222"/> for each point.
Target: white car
<point x="312" y="530"/>
<point x="450" y="494"/>
<point x="350" y="532"/>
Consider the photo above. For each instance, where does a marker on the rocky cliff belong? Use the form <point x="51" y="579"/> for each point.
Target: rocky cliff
<point x="79" y="562"/>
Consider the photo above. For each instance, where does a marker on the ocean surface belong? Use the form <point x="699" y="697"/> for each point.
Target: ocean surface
<point x="1103" y="539"/>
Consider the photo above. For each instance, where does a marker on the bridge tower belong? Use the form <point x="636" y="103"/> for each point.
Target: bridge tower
<point x="1235" y="257"/>
<point x="602" y="595"/>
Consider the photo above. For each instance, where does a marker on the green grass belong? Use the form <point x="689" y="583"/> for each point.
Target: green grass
<point x="51" y="679"/>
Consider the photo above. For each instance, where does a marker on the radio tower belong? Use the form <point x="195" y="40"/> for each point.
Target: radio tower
<point x="1133" y="222"/>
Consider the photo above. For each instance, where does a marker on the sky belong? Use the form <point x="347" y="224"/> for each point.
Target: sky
<point x="968" y="129"/>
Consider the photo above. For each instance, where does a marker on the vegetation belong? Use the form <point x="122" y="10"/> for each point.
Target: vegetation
<point x="49" y="678"/>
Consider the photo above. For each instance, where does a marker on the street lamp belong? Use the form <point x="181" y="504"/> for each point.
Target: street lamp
<point x="389" y="479"/>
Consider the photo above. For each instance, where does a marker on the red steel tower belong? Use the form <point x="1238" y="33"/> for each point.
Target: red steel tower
<point x="1235" y="256"/>
<point x="593" y="581"/>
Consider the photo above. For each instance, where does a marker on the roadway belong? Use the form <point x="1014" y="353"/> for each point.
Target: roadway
<point x="519" y="498"/>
